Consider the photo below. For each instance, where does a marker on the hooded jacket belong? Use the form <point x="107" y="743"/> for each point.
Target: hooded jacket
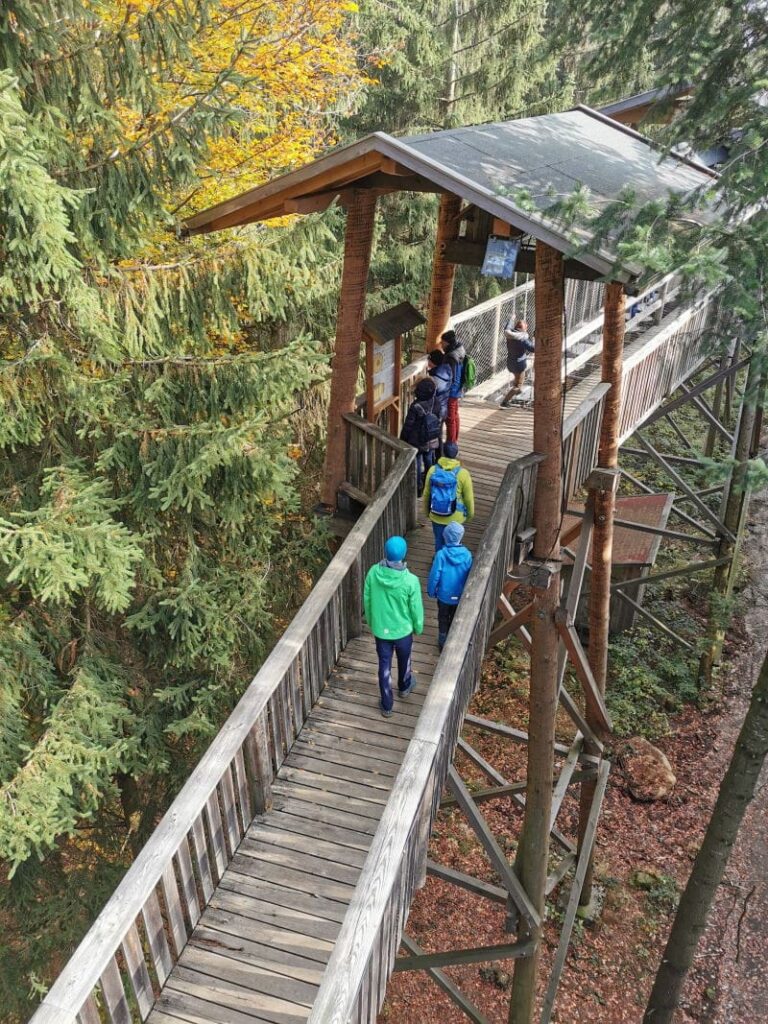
<point x="449" y="572"/>
<point x="454" y="358"/>
<point x="519" y="347"/>
<point x="426" y="401"/>
<point x="392" y="601"/>
<point x="442" y="375"/>
<point x="465" y="495"/>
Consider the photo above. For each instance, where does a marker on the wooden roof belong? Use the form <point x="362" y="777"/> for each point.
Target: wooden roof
<point x="490" y="166"/>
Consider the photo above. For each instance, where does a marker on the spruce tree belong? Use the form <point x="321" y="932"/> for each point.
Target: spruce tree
<point x="149" y="482"/>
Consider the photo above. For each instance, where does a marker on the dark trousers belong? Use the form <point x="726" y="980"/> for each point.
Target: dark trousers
<point x="445" y="614"/>
<point x="385" y="650"/>
<point x="452" y="421"/>
<point x="423" y="462"/>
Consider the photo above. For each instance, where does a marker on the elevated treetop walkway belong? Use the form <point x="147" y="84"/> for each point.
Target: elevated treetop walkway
<point x="277" y="885"/>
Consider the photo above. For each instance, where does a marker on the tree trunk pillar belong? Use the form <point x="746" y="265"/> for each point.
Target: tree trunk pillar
<point x="358" y="241"/>
<point x="733" y="513"/>
<point x="533" y="849"/>
<point x="603" y="500"/>
<point x="443" y="272"/>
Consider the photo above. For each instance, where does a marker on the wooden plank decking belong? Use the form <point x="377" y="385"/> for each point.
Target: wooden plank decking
<point x="261" y="945"/>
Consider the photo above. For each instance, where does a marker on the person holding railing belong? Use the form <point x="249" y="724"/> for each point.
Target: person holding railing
<point x="395" y="611"/>
<point x="519" y="347"/>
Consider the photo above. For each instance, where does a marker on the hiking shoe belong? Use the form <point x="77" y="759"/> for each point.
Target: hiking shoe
<point x="385" y="713"/>
<point x="409" y="688"/>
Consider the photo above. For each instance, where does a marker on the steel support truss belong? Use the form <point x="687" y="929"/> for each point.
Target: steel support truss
<point x="577" y="767"/>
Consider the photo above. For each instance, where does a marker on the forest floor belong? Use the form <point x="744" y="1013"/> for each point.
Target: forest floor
<point x="643" y="857"/>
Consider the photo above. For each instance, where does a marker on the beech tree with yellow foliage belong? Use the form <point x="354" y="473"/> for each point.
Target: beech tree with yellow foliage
<point x="148" y="484"/>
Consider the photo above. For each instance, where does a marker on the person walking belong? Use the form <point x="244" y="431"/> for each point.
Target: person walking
<point x="447" y="577"/>
<point x="422" y="427"/>
<point x="519" y="347"/>
<point x="448" y="494"/>
<point x="442" y="375"/>
<point x="395" y="611"/>
<point x="454" y="355"/>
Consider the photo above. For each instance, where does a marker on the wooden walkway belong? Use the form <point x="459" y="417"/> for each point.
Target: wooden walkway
<point x="261" y="945"/>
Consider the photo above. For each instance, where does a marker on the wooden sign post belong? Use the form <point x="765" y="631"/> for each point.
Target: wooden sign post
<point x="383" y="336"/>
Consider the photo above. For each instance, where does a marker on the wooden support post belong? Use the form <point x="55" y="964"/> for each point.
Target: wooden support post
<point x="443" y="271"/>
<point x="603" y="503"/>
<point x="533" y="849"/>
<point x="358" y="240"/>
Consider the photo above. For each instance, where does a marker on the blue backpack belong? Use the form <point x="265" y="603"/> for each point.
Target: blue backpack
<point x="443" y="488"/>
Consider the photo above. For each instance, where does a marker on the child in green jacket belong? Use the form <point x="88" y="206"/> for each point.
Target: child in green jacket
<point x="394" y="611"/>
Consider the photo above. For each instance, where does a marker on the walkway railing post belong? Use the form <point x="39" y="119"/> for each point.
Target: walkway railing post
<point x="533" y="849"/>
<point x="602" y="499"/>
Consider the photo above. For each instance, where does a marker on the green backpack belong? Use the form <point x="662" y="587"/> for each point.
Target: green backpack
<point x="470" y="373"/>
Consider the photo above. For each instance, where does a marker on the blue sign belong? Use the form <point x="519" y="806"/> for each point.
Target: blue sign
<point x="500" y="257"/>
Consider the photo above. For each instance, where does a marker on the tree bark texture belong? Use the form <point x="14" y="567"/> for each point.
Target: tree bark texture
<point x="533" y="849"/>
<point x="358" y="241"/>
<point x="736" y="792"/>
<point x="603" y="503"/>
<point x="443" y="272"/>
<point x="732" y="513"/>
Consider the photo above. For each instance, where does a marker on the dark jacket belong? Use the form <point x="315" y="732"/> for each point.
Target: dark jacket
<point x="414" y="427"/>
<point x="519" y="347"/>
<point x="454" y="357"/>
<point x="442" y="375"/>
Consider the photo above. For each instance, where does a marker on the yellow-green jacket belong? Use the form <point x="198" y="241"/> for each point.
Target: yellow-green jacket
<point x="465" y="496"/>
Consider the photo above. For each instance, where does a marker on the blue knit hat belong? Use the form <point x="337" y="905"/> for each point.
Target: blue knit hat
<point x="453" y="533"/>
<point x="450" y="450"/>
<point x="395" y="549"/>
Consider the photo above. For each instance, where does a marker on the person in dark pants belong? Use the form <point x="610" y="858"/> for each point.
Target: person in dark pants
<point x="454" y="356"/>
<point x="447" y="577"/>
<point x="442" y="375"/>
<point x="394" y="610"/>
<point x="422" y="427"/>
<point x="519" y="347"/>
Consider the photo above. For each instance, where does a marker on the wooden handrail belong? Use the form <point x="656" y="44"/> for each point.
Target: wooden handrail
<point x="355" y="978"/>
<point x="222" y="763"/>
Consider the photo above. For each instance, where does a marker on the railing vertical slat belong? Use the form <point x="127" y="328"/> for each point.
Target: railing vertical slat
<point x="137" y="971"/>
<point x="227" y="793"/>
<point x="202" y="857"/>
<point x="216" y="833"/>
<point x="174" y="908"/>
<point x="188" y="884"/>
<point x="158" y="944"/>
<point x="115" y="1001"/>
<point x="243" y="793"/>
<point x="89" y="1013"/>
<point x="257" y="749"/>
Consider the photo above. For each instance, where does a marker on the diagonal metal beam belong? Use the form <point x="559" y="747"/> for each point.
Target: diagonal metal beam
<point x="496" y="855"/>
<point x="686" y="570"/>
<point x="708" y="415"/>
<point x="658" y="531"/>
<point x="514" y="621"/>
<point x="564" y="778"/>
<point x="675" y="510"/>
<point x="659" y="459"/>
<point x="592" y="696"/>
<point x="696" y="391"/>
<point x="468" y="882"/>
<point x="477" y="955"/>
<point x="680" y="434"/>
<point x="573" y="900"/>
<point x="442" y="980"/>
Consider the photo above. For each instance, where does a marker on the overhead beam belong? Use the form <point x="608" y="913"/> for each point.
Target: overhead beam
<point x="472" y="254"/>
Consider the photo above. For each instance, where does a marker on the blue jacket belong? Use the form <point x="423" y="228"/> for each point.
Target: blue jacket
<point x="443" y="378"/>
<point x="454" y="359"/>
<point x="449" y="573"/>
